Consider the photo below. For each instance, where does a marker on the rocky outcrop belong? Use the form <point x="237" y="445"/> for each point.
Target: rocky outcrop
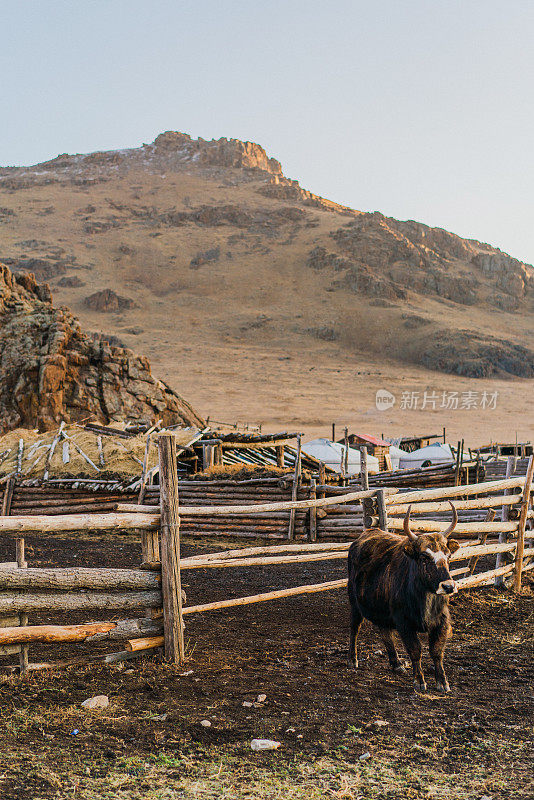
<point x="70" y="282"/>
<point x="205" y="257"/>
<point x="214" y="216"/>
<point x="50" y="370"/>
<point x="383" y="257"/>
<point x="281" y="188"/>
<point x="44" y="269"/>
<point x="223" y="152"/>
<point x="474" y="355"/>
<point x="354" y="275"/>
<point x="108" y="301"/>
<point x="170" y="151"/>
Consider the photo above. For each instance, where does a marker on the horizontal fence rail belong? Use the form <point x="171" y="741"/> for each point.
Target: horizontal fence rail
<point x="79" y="522"/>
<point x="69" y="578"/>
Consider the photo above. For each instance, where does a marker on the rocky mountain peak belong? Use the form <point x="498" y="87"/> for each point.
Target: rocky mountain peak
<point x="232" y="153"/>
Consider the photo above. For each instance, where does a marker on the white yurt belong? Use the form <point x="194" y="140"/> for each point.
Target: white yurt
<point x="431" y="454"/>
<point x="396" y="455"/>
<point x="331" y="453"/>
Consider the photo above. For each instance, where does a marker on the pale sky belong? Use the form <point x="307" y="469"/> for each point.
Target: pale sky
<point x="421" y="109"/>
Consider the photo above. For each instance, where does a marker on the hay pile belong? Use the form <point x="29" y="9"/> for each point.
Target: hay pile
<point x="242" y="472"/>
<point x="70" y="453"/>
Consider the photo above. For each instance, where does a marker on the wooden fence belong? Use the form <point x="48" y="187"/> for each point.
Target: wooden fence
<point x="156" y="585"/>
<point x="505" y="467"/>
<point x="56" y="499"/>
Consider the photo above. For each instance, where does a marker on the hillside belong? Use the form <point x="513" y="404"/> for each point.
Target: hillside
<point x="236" y="281"/>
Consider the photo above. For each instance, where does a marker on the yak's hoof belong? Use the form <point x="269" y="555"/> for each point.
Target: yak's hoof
<point x="399" y="668"/>
<point x="352" y="663"/>
<point x="443" y="687"/>
<point x="419" y="686"/>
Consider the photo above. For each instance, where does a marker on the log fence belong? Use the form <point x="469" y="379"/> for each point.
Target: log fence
<point x="155" y="587"/>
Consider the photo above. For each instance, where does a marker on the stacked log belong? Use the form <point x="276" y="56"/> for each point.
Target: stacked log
<point x="88" y="632"/>
<point x="272" y="525"/>
<point x="428" y="477"/>
<point x="339" y="523"/>
<point x="343" y="520"/>
<point x="497" y="469"/>
<point x="37" y="589"/>
<point x="50" y="500"/>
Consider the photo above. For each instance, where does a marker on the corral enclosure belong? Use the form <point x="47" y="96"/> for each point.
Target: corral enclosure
<point x="240" y="510"/>
<point x="291" y="648"/>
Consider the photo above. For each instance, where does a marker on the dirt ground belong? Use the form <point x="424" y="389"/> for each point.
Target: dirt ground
<point x="343" y="734"/>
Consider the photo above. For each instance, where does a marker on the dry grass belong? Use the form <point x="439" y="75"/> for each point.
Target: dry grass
<point x="122" y="457"/>
<point x="214" y="773"/>
<point x="242" y="472"/>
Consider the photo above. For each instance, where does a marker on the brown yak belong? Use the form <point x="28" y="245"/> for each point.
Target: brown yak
<point x="403" y="583"/>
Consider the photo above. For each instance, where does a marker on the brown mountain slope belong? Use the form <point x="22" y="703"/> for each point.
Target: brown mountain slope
<point x="51" y="371"/>
<point x="219" y="264"/>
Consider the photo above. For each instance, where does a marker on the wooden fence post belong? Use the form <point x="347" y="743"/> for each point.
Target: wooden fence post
<point x="382" y="510"/>
<point x="150" y="547"/>
<point x="150" y="556"/>
<point x="505" y="517"/>
<point x="375" y="513"/>
<point x="458" y="464"/>
<point x="208" y="456"/>
<point x="294" y="491"/>
<point x="142" y="490"/>
<point x="173" y="627"/>
<point x="23" y="616"/>
<point x="525" y="503"/>
<point x="8" y="497"/>
<point x="280" y="461"/>
<point x="473" y="561"/>
<point x="312" y="535"/>
<point x="346" y="458"/>
<point x="364" y="472"/>
<point x="322" y="478"/>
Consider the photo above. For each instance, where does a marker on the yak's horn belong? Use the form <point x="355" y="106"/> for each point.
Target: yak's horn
<point x="407" y="530"/>
<point x="454" y="522"/>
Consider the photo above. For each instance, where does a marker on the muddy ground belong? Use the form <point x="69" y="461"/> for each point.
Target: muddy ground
<point x="150" y="743"/>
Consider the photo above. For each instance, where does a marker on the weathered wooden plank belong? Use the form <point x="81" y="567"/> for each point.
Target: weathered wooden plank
<point x="67" y="578"/>
<point x="170" y="550"/>
<point x="78" y="522"/>
<point x="84" y="601"/>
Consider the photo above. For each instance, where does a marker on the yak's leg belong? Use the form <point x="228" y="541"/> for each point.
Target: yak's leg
<point x="437" y="641"/>
<point x="386" y="634"/>
<point x="356" y="620"/>
<point x="413" y="647"/>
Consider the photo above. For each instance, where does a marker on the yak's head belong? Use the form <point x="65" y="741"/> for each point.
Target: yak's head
<point x="432" y="552"/>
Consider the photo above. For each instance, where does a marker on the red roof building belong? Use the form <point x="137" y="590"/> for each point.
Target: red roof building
<point x="375" y="446"/>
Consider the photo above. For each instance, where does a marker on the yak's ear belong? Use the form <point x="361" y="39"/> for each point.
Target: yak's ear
<point x="453" y="545"/>
<point x="410" y="549"/>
